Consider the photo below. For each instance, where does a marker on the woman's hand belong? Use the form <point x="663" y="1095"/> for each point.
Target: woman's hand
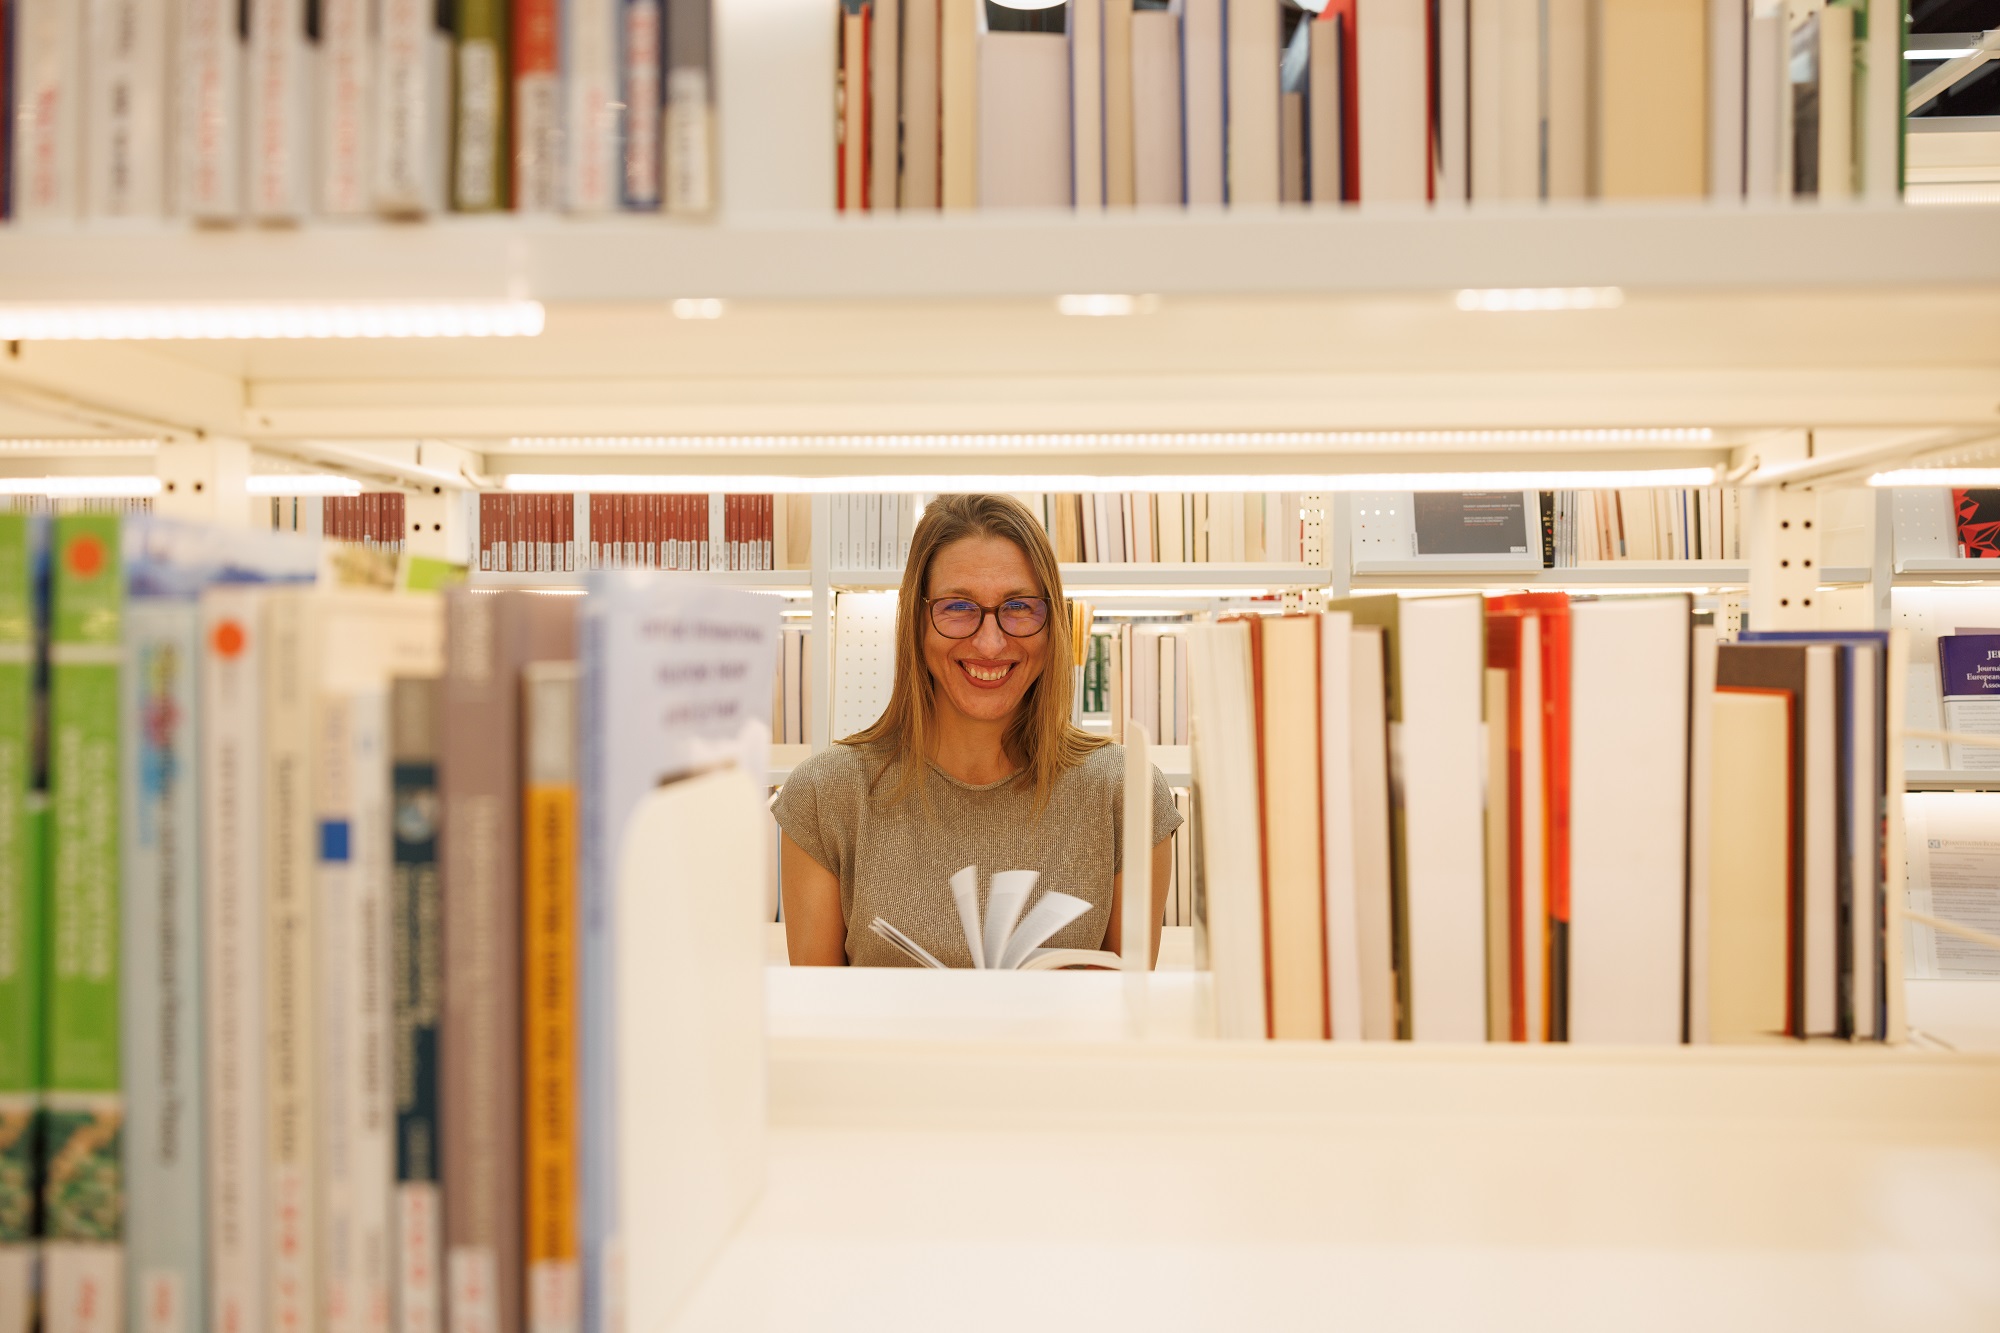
<point x="815" y="929"/>
<point x="1163" y="869"/>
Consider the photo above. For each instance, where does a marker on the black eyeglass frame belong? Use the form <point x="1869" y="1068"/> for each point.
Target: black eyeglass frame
<point x="930" y="612"/>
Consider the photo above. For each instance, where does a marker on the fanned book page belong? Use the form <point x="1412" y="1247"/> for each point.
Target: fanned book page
<point x="1006" y="940"/>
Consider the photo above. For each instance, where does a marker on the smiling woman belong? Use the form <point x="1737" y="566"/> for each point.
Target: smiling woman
<point x="974" y="761"/>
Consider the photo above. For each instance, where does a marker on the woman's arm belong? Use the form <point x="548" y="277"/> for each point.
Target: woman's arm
<point x="1163" y="863"/>
<point x="815" y="930"/>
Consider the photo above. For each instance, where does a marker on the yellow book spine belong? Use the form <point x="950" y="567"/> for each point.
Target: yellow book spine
<point x="549" y="1007"/>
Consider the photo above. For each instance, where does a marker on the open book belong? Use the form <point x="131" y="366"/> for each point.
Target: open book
<point x="1007" y="941"/>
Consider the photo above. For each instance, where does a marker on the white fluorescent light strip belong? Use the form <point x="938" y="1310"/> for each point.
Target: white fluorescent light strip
<point x="1107" y="442"/>
<point x="1099" y="304"/>
<point x="655" y="484"/>
<point x="1938" y="476"/>
<point x="35" y="322"/>
<point x="80" y="446"/>
<point x="698" y="307"/>
<point x="81" y="488"/>
<point x="302" y="483"/>
<point x="1541" y="298"/>
<point x="1950" y="53"/>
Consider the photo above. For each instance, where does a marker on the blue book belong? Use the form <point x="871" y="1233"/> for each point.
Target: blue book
<point x="676" y="679"/>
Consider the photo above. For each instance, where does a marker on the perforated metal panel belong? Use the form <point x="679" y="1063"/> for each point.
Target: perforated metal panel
<point x="1924" y="526"/>
<point x="864" y="658"/>
<point x="1382" y="526"/>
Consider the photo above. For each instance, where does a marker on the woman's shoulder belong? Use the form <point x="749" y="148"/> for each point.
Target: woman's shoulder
<point x="837" y="767"/>
<point x="1102" y="765"/>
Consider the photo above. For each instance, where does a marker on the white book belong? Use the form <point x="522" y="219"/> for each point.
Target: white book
<point x="1506" y="99"/>
<point x="1024" y="133"/>
<point x="1202" y="99"/>
<point x="233" y="926"/>
<point x="1566" y="115"/>
<point x="345" y="114"/>
<point x="1391" y="75"/>
<point x="207" y="111"/>
<point x="1727" y="34"/>
<point x="278" y="109"/>
<point x="48" y="91"/>
<point x="1323" y="113"/>
<point x="920" y="104"/>
<point x="1156" y="108"/>
<point x="1224" y="754"/>
<point x="1452" y="165"/>
<point x="837" y="532"/>
<point x="906" y="509"/>
<point x="1172" y="550"/>
<point x="1821" y="906"/>
<point x="1442" y="768"/>
<point x="885" y="83"/>
<point x="1767" y="95"/>
<point x="642" y="56"/>
<point x="1865" y="792"/>
<point x="886" y="558"/>
<point x="1085" y="31"/>
<point x="689" y="127"/>
<point x="1701" y="773"/>
<point x="125" y="150"/>
<point x="1836" y="102"/>
<point x="1337" y="841"/>
<point x="590" y="117"/>
<point x="1629" y="664"/>
<point x="1250" y="116"/>
<point x="1374" y="886"/>
<point x="1169" y="688"/>
<point x="1881" y="120"/>
<point x="411" y="96"/>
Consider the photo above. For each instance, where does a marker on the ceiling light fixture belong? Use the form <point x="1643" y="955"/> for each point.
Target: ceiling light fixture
<point x="74" y="447"/>
<point x="302" y="483"/>
<point x="1141" y="442"/>
<point x="81" y="488"/>
<point x="1104" y="304"/>
<point x="698" y="307"/>
<point x="47" y="322"/>
<point x="662" y="484"/>
<point x="1541" y="298"/>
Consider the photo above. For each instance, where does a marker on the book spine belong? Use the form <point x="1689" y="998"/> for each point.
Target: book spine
<point x="479" y="164"/>
<point x="407" y="175"/>
<point x="22" y="943"/>
<point x="47" y="111"/>
<point x="343" y="121"/>
<point x="548" y="888"/>
<point x="590" y="87"/>
<point x="292" y="1116"/>
<point x="351" y="887"/>
<point x="641" y="32"/>
<point x="537" y="106"/>
<point x="208" y="114"/>
<point x="277" y="151"/>
<point x="126" y="73"/>
<point x="597" y="1198"/>
<point x="84" y="1188"/>
<point x="232" y="932"/>
<point x="690" y="169"/>
<point x="160" y="1037"/>
<point x="416" y="964"/>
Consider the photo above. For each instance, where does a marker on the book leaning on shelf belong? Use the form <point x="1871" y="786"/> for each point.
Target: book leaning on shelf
<point x="1605" y="827"/>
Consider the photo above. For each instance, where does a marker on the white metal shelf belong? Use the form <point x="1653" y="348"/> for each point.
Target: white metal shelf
<point x="1950" y="779"/>
<point x="1670" y="574"/>
<point x="797" y="581"/>
<point x="1083" y="579"/>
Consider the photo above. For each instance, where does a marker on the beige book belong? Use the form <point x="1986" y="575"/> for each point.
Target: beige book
<point x="1294" y="873"/>
<point x="853" y="110"/>
<point x="1086" y="81"/>
<point x="1374" y="872"/>
<point x="1749" y="873"/>
<point x="1291" y="148"/>
<point x="919" y="103"/>
<point x="1120" y="180"/>
<point x="885" y="82"/>
<point x="958" y="102"/>
<point x="1650" y="83"/>
<point x="1566" y="79"/>
<point x="1156" y="108"/>
<point x="1024" y="135"/>
<point x="1836" y="102"/>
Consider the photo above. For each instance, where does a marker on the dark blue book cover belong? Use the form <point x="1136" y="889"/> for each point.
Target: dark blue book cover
<point x="1969" y="665"/>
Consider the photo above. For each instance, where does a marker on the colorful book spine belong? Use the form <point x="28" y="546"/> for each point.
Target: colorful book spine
<point x="126" y="76"/>
<point x="164" y="1168"/>
<point x="641" y="33"/>
<point x="690" y="111"/>
<point x="479" y="138"/>
<point x="416" y="994"/>
<point x="590" y="115"/>
<point x="344" y="115"/>
<point x="413" y="56"/>
<point x="538" y="106"/>
<point x="47" y="75"/>
<point x="83" y="1198"/>
<point x="548" y="919"/>
<point x="22" y="916"/>
<point x="232" y="932"/>
<point x="208" y="110"/>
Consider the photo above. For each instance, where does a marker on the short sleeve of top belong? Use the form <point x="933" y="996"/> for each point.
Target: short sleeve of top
<point x="895" y="859"/>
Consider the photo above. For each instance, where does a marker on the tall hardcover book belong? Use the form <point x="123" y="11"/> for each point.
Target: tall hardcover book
<point x="207" y="110"/>
<point x="1295" y="940"/>
<point x="479" y="145"/>
<point x="549" y="986"/>
<point x="125" y="156"/>
<point x="1117" y="88"/>
<point x="1024" y="136"/>
<point x="1750" y="860"/>
<point x="411" y="94"/>
<point x="1451" y="140"/>
<point x="416" y="997"/>
<point x="345" y="111"/>
<point x="853" y="166"/>
<point x="1250" y="115"/>
<point x="959" y="24"/>
<point x="1229" y="920"/>
<point x="83" y="1188"/>
<point x="278" y="147"/>
<point x="1156" y="110"/>
<point x="538" y="105"/>
<point x="885" y="85"/>
<point x="658" y="701"/>
<point x="1392" y="105"/>
<point x="691" y="170"/>
<point x="590" y="115"/>
<point x="1728" y="32"/>
<point x="1084" y="28"/>
<point x="23" y="915"/>
<point x="920" y="104"/>
<point x="47" y="82"/>
<point x="1650" y="109"/>
<point x="641" y="68"/>
<point x="1566" y="99"/>
<point x="489" y="639"/>
<point x="1202" y="100"/>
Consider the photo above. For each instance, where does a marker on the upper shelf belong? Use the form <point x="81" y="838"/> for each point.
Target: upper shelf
<point x="980" y="256"/>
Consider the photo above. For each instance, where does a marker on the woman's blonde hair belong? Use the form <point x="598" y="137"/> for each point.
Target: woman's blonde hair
<point x="1040" y="735"/>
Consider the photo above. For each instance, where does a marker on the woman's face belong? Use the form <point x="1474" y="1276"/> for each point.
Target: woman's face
<point x="985" y="677"/>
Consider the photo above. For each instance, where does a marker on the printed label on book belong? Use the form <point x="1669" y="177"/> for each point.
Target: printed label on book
<point x="16" y="1290"/>
<point x="417" y="1254"/>
<point x="84" y="1288"/>
<point x="478" y="124"/>
<point x="475" y="1291"/>
<point x="555" y="1296"/>
<point x="165" y="1308"/>
<point x="291" y="1300"/>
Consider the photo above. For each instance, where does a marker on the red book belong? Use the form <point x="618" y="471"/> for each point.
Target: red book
<point x="1343" y="12"/>
<point x="537" y="104"/>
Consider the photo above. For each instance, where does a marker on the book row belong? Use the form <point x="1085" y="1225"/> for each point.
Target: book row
<point x="1532" y="818"/>
<point x="280" y="110"/>
<point x="541" y="534"/>
<point x="374" y="519"/>
<point x="1104" y="103"/>
<point x="307" y="1008"/>
<point x="1172" y="527"/>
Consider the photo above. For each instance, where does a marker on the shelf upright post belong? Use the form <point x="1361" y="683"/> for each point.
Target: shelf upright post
<point x="1882" y="559"/>
<point x="1336" y="540"/>
<point x="204" y="481"/>
<point x="436" y="524"/>
<point x="819" y="664"/>
<point x="1784" y="557"/>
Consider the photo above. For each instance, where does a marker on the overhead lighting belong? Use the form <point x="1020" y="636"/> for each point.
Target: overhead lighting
<point x="302" y="483"/>
<point x="1949" y="53"/>
<point x="1189" y="593"/>
<point x="1100" y="304"/>
<point x="43" y="322"/>
<point x="81" y="488"/>
<point x="659" y="484"/>
<point x="75" y="447"/>
<point x="1938" y="476"/>
<point x="1541" y="298"/>
<point x="698" y="307"/>
<point x="1104" y="442"/>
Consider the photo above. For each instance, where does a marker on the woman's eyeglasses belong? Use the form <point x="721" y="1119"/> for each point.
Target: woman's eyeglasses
<point x="961" y="617"/>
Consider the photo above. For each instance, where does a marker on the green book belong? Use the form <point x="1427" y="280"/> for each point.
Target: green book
<point x="83" y="1195"/>
<point x="480" y="150"/>
<point x="21" y="942"/>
